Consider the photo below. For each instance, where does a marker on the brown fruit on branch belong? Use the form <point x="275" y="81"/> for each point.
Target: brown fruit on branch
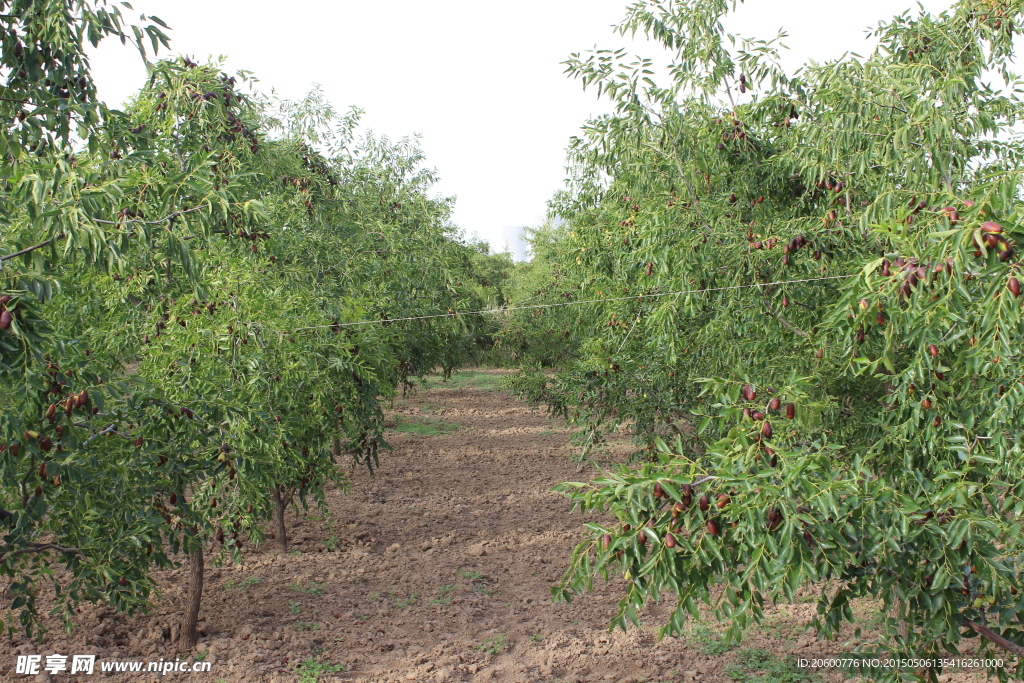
<point x="766" y="429"/>
<point x="704" y="503"/>
<point x="5" y="320"/>
<point x="991" y="228"/>
<point x="51" y="412"/>
<point x="937" y="421"/>
<point x="45" y="443"/>
<point x="926" y="404"/>
<point x="42" y="470"/>
<point x="723" y="500"/>
<point x="687" y="490"/>
<point x="670" y="540"/>
<point x="790" y="411"/>
<point x="38" y="491"/>
<point x="748" y="392"/>
<point x="138" y="442"/>
<point x="173" y="500"/>
<point x="713" y="528"/>
<point x="1014" y="286"/>
<point x="606" y="541"/>
<point x="658" y="491"/>
<point x="757" y="415"/>
<point x="774" y="403"/>
<point x="123" y="581"/>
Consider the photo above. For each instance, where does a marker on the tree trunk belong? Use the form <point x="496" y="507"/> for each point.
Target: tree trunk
<point x="894" y="613"/>
<point x="193" y="599"/>
<point x="280" y="532"/>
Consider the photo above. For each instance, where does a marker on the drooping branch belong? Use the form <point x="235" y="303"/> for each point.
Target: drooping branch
<point x="26" y="250"/>
<point x="39" y="548"/>
<point x="168" y="217"/>
<point x="793" y="328"/>
<point x="996" y="639"/>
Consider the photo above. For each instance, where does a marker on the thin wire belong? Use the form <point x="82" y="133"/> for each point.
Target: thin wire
<point x="572" y="303"/>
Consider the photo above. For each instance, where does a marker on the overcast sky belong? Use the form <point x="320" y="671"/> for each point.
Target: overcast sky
<point x="481" y="82"/>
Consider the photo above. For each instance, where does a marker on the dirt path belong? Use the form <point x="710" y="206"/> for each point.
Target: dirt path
<point x="437" y="569"/>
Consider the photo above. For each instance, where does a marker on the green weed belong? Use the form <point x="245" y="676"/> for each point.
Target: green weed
<point x="709" y="642"/>
<point x="428" y="427"/>
<point x="444" y="595"/>
<point x="244" y="583"/>
<point x="309" y="671"/>
<point x="313" y="589"/>
<point x="402" y="603"/>
<point x="494" y="645"/>
<point x="472" y="379"/>
<point x="761" y="666"/>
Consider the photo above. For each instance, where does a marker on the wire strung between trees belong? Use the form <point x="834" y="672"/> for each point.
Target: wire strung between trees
<point x="573" y="303"/>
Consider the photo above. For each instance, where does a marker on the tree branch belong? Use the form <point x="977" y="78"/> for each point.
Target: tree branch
<point x="996" y="639"/>
<point x="168" y="217"/>
<point x="38" y="548"/>
<point x="29" y="249"/>
<point x="789" y="325"/>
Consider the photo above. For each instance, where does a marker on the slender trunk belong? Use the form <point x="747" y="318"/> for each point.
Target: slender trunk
<point x="280" y="533"/>
<point x="193" y="599"/>
<point x="336" y="446"/>
<point x="894" y="613"/>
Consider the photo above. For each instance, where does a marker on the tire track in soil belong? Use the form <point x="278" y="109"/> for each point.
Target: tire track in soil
<point x="436" y="569"/>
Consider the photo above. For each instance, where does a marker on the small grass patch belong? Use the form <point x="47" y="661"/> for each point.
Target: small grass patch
<point x="295" y="607"/>
<point x="306" y="626"/>
<point x="444" y="595"/>
<point x="244" y="583"/>
<point x="494" y="645"/>
<point x="708" y="642"/>
<point x="471" y="379"/>
<point x="309" y="671"/>
<point x="313" y="589"/>
<point x="761" y="666"/>
<point x="402" y="603"/>
<point x="425" y="427"/>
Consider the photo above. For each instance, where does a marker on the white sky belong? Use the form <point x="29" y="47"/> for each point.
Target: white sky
<point x="480" y="81"/>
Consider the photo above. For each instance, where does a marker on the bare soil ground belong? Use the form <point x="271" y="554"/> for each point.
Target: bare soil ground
<point x="439" y="569"/>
